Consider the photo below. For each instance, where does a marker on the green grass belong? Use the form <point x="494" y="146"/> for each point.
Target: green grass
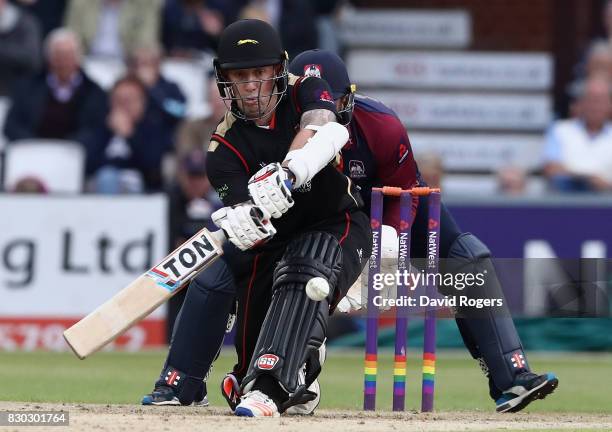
<point x="125" y="377"/>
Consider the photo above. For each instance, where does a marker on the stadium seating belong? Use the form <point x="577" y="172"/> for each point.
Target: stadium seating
<point x="58" y="165"/>
<point x="103" y="71"/>
<point x="189" y="75"/>
<point x="479" y="111"/>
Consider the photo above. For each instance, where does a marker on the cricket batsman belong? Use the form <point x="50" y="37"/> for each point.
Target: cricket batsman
<point x="378" y="153"/>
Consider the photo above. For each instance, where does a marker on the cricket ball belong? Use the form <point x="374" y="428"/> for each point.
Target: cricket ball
<point x="317" y="288"/>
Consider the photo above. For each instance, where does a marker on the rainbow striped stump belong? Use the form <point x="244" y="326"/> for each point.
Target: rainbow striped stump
<point x="399" y="382"/>
<point x="401" y="317"/>
<point x="429" y="375"/>
<point x="429" y="336"/>
<point x="371" y="349"/>
<point x="369" y="387"/>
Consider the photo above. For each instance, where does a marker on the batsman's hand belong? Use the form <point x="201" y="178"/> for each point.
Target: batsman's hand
<point x="352" y="300"/>
<point x="270" y="189"/>
<point x="357" y="295"/>
<point x="246" y="225"/>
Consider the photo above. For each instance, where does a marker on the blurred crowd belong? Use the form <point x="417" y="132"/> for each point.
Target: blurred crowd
<point x="138" y="136"/>
<point x="578" y="150"/>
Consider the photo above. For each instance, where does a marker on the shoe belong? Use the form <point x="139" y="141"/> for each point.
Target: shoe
<point x="164" y="395"/>
<point x="230" y="389"/>
<point x="526" y="388"/>
<point x="256" y="404"/>
<point x="309" y="407"/>
<point x="310" y="398"/>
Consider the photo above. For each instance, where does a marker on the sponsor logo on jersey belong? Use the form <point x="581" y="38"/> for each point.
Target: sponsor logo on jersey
<point x="404" y="151"/>
<point x="356" y="169"/>
<point x="247" y="41"/>
<point x="306" y="187"/>
<point x="326" y="97"/>
<point x="312" y="70"/>
<point x="223" y="191"/>
<point x="267" y="361"/>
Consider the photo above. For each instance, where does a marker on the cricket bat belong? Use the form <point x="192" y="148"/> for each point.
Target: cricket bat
<point x="145" y="294"/>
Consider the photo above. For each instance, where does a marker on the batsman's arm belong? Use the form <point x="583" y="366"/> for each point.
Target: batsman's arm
<point x="270" y="188"/>
<point x="315" y="145"/>
<point x="320" y="137"/>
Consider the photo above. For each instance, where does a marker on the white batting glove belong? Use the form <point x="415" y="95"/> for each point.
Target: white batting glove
<point x="269" y="189"/>
<point x="245" y="225"/>
<point x="352" y="300"/>
<point x="357" y="295"/>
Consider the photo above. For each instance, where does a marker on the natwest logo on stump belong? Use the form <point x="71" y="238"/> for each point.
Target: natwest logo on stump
<point x="267" y="361"/>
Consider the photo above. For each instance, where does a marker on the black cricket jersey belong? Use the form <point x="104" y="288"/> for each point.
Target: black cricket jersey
<point x="239" y="148"/>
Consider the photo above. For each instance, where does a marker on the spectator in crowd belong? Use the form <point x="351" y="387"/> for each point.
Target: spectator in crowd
<point x="228" y="8"/>
<point x="431" y="168"/>
<point x="30" y="185"/>
<point x="126" y="153"/>
<point x="594" y="59"/>
<point x="59" y="103"/>
<point x="264" y="10"/>
<point x="49" y="13"/>
<point x="192" y="201"/>
<point x="512" y="180"/>
<point x="607" y="20"/>
<point x="192" y="198"/>
<point x="298" y="27"/>
<point x="326" y="27"/>
<point x="294" y="19"/>
<point x="195" y="134"/>
<point x="189" y="28"/>
<point x="599" y="59"/>
<point x="114" y="28"/>
<point x="598" y="62"/>
<point x="166" y="102"/>
<point x="578" y="151"/>
<point x="20" y="45"/>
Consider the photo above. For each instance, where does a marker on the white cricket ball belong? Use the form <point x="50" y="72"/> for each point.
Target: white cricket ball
<point x="317" y="288"/>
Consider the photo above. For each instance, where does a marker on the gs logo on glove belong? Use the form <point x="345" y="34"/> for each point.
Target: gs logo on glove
<point x="267" y="361"/>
